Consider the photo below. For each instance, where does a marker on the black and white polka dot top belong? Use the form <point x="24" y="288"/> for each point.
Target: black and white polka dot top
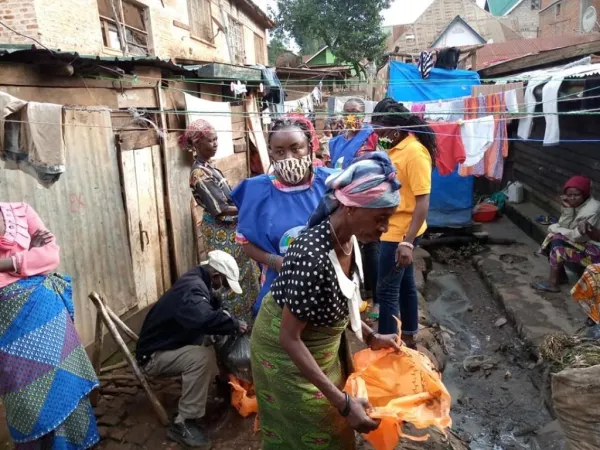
<point x="308" y="283"/>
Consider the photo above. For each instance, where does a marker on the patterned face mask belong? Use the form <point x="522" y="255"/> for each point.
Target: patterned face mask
<point x="353" y="122"/>
<point x="384" y="144"/>
<point x="293" y="170"/>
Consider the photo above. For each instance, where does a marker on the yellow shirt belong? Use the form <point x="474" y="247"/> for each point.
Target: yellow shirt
<point x="413" y="163"/>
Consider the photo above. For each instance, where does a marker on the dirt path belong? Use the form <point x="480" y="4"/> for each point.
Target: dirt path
<point x="495" y="405"/>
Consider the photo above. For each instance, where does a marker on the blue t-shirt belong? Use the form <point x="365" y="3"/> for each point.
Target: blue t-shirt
<point x="271" y="216"/>
<point x="343" y="151"/>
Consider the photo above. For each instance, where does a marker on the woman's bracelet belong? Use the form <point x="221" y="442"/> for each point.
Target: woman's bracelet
<point x="272" y="261"/>
<point x="406" y="244"/>
<point x="346" y="411"/>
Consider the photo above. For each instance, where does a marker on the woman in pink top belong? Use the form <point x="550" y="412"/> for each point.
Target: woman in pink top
<point x="45" y="375"/>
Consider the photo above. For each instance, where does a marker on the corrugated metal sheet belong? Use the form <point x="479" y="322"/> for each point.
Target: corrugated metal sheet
<point x="491" y="54"/>
<point x="85" y="211"/>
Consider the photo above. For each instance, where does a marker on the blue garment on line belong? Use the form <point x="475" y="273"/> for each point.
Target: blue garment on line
<point x="271" y="218"/>
<point x="407" y="85"/>
<point x="340" y="147"/>
<point x="451" y="200"/>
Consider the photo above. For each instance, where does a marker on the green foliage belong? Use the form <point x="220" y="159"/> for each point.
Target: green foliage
<point x="351" y="28"/>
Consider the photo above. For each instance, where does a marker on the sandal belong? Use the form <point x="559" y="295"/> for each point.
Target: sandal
<point x="546" y="220"/>
<point x="545" y="287"/>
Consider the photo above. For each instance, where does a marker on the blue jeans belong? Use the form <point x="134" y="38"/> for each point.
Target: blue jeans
<point x="396" y="293"/>
<point x="370" y="260"/>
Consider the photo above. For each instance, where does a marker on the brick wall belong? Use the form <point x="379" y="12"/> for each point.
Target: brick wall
<point x="74" y="25"/>
<point x="555" y="21"/>
<point x="19" y="15"/>
<point x="525" y="20"/>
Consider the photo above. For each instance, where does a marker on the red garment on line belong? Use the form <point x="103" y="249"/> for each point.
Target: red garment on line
<point x="451" y="150"/>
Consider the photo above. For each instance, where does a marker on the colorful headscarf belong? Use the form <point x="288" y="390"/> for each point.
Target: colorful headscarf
<point x="314" y="138"/>
<point x="196" y="129"/>
<point x="369" y="182"/>
<point x="584" y="184"/>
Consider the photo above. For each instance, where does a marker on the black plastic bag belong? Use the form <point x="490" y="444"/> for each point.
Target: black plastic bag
<point x="235" y="356"/>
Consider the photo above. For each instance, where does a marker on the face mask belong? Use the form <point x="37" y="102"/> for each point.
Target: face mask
<point x="293" y="170"/>
<point x="353" y="122"/>
<point x="384" y="144"/>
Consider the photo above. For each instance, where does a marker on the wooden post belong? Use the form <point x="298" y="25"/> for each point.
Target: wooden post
<point x="158" y="408"/>
<point x="119" y="323"/>
<point x="97" y="355"/>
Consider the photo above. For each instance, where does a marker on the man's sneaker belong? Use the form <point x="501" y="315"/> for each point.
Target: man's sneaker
<point x="189" y="435"/>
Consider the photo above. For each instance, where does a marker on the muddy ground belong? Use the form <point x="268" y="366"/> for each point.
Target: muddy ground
<point x="495" y="404"/>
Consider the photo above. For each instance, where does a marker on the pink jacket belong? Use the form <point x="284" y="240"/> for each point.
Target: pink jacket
<point x="20" y="223"/>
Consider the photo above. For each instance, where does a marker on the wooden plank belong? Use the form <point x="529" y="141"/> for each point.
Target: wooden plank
<point x="149" y="234"/>
<point x="133" y="140"/>
<point x="239" y="130"/>
<point x="85" y="211"/>
<point x="137" y="98"/>
<point x="15" y="74"/>
<point x="161" y="218"/>
<point x="181" y="233"/>
<point x="142" y="289"/>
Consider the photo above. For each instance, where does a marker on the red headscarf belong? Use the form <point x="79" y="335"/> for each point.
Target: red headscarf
<point x="314" y="139"/>
<point x="584" y="184"/>
<point x="194" y="130"/>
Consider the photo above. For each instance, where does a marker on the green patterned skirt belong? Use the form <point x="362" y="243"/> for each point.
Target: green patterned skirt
<point x="220" y="235"/>
<point x="293" y="413"/>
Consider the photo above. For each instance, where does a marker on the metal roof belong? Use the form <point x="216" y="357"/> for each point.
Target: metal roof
<point x="501" y="7"/>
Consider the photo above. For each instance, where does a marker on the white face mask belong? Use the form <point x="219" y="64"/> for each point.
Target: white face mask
<point x="293" y="170"/>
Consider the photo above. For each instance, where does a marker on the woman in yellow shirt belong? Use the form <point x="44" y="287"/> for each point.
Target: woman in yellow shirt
<point x="413" y="153"/>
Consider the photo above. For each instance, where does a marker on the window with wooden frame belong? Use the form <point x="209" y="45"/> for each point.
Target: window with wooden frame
<point x="259" y="49"/>
<point x="236" y="36"/>
<point x="201" y="20"/>
<point x="124" y="26"/>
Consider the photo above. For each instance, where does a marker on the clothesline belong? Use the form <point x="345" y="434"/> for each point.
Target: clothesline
<point x="413" y="129"/>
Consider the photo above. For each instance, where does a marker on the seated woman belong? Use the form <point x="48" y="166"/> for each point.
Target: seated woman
<point x="213" y="194"/>
<point x="273" y="209"/>
<point x="45" y="374"/>
<point x="586" y="291"/>
<point x="567" y="242"/>
<point x="299" y="360"/>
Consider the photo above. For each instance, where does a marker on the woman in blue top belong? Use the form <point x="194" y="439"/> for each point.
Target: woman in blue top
<point x="273" y="209"/>
<point x="356" y="140"/>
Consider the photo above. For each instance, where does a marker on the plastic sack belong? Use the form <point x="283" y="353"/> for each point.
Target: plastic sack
<point x="401" y="387"/>
<point x="235" y="356"/>
<point x="243" y="397"/>
<point x="576" y="400"/>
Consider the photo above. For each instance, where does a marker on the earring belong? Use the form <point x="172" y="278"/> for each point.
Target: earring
<point x="396" y="135"/>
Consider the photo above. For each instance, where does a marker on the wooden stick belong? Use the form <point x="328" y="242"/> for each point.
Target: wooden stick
<point x="119" y="323"/>
<point x="97" y="355"/>
<point x="158" y="408"/>
<point x="117" y="377"/>
<point x="114" y="367"/>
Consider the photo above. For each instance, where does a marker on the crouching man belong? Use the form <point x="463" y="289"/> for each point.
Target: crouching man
<point x="173" y="334"/>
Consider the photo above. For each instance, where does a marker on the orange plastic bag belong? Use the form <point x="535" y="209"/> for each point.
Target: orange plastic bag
<point x="243" y="397"/>
<point x="401" y="387"/>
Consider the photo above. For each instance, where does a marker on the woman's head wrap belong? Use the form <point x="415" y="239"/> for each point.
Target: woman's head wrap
<point x="314" y="138"/>
<point x="195" y="130"/>
<point x="584" y="184"/>
<point x="369" y="182"/>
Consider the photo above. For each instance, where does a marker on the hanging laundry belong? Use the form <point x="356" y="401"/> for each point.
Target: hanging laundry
<point x="418" y="109"/>
<point x="525" y="124"/>
<point x="317" y="95"/>
<point x="492" y="163"/>
<point x="477" y="136"/>
<point x="437" y="111"/>
<point x="447" y="58"/>
<point x="451" y="150"/>
<point x="457" y="110"/>
<point x="42" y="140"/>
<point x="9" y="131"/>
<point x="425" y="64"/>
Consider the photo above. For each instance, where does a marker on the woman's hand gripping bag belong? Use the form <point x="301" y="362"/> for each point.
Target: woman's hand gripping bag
<point x="402" y="387"/>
